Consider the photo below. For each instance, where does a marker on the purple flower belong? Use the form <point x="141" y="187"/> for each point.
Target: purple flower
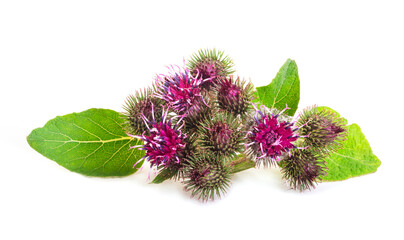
<point x="270" y="136"/>
<point x="163" y="143"/>
<point x="181" y="90"/>
<point x="208" y="71"/>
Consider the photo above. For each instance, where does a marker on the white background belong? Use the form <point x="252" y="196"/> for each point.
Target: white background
<point x="58" y="57"/>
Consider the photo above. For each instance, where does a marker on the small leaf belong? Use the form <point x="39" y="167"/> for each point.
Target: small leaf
<point x="355" y="158"/>
<point x="92" y="143"/>
<point x="283" y="90"/>
<point x="164" y="174"/>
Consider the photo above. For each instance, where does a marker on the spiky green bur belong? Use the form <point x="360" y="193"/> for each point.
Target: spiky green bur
<point x="207" y="177"/>
<point x="235" y="95"/>
<point x="323" y="130"/>
<point x="302" y="169"/>
<point x="221" y="134"/>
<point x="210" y="64"/>
<point x="141" y="103"/>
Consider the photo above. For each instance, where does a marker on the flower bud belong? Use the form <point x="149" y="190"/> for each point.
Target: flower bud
<point x="235" y="95"/>
<point x="138" y="105"/>
<point x="207" y="176"/>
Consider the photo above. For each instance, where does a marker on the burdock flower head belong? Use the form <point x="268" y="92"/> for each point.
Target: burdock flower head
<point x="180" y="90"/>
<point x="163" y="142"/>
<point x="138" y="105"/>
<point x="174" y="169"/>
<point x="270" y="136"/>
<point x="207" y="176"/>
<point x="211" y="65"/>
<point x="303" y="168"/>
<point x="234" y="95"/>
<point x="221" y="134"/>
<point x="324" y="129"/>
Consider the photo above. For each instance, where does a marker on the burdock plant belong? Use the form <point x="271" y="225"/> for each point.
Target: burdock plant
<point x="323" y="133"/>
<point x="198" y="125"/>
<point x="215" y="122"/>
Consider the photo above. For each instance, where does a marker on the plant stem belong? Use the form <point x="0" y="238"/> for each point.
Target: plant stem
<point x="241" y="163"/>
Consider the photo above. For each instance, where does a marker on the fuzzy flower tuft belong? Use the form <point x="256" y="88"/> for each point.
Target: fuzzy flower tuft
<point x="211" y="65"/>
<point x="163" y="143"/>
<point x="180" y="90"/>
<point x="235" y="95"/>
<point x="207" y="176"/>
<point x="176" y="169"/>
<point x="303" y="168"/>
<point x="270" y="136"/>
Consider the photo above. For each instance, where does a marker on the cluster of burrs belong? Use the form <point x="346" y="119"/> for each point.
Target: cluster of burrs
<point x="199" y="125"/>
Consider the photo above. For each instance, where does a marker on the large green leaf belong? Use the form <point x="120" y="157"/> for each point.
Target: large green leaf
<point x="283" y="90"/>
<point x="355" y="158"/>
<point x="92" y="143"/>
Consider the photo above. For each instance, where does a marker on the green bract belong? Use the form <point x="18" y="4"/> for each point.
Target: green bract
<point x="92" y="143"/>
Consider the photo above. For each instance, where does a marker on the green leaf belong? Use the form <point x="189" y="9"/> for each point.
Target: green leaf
<point x="355" y="158"/>
<point x="92" y="143"/>
<point x="283" y="90"/>
<point x="164" y="174"/>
